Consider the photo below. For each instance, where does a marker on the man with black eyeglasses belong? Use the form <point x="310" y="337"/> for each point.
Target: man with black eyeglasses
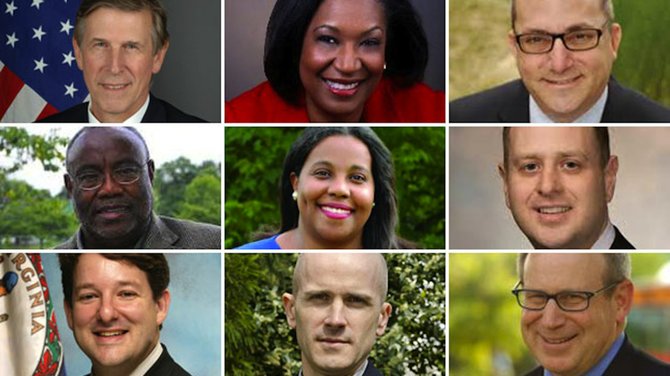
<point x="109" y="178"/>
<point x="574" y="314"/>
<point x="564" y="50"/>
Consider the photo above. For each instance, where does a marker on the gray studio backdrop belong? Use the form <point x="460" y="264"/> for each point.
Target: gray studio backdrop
<point x="246" y="21"/>
<point x="192" y="330"/>
<point x="190" y="77"/>
<point x="479" y="219"/>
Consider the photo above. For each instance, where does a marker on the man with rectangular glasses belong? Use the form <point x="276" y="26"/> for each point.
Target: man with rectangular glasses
<point x="574" y="314"/>
<point x="564" y="50"/>
<point x="109" y="178"/>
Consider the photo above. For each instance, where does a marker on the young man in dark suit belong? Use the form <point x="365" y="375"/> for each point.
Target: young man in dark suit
<point x="338" y="310"/>
<point x="558" y="182"/>
<point x="574" y="315"/>
<point x="564" y="50"/>
<point x="115" y="305"/>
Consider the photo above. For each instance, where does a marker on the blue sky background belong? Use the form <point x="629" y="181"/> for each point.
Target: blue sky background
<point x="192" y="331"/>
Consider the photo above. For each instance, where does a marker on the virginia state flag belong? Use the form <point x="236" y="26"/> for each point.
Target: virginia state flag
<point x="29" y="341"/>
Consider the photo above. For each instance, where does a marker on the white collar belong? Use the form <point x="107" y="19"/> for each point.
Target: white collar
<point x="606" y="239"/>
<point x="593" y="115"/>
<point x="149" y="361"/>
<point x="359" y="371"/>
<point x="135" y="118"/>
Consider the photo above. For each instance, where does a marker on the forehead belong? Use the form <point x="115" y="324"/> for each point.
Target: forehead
<point x="115" y="24"/>
<point x="341" y="150"/>
<point x="95" y="269"/>
<point x="558" y="15"/>
<point x="98" y="145"/>
<point x="525" y="141"/>
<point x="341" y="273"/>
<point x="342" y="13"/>
<point x="559" y="271"/>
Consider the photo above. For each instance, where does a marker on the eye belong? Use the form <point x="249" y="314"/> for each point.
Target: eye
<point x="571" y="165"/>
<point x="359" y="178"/>
<point x="530" y="167"/>
<point x="321" y="174"/>
<point x="99" y="44"/>
<point x="535" y="39"/>
<point x="86" y="297"/>
<point x="326" y="39"/>
<point x="372" y="42"/>
<point x="127" y="294"/>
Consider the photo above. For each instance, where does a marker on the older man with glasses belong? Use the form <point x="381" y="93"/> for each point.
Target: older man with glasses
<point x="109" y="178"/>
<point x="574" y="313"/>
<point x="564" y="50"/>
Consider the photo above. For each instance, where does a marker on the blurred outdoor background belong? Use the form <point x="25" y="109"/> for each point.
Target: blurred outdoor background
<point x="260" y="342"/>
<point x="484" y="330"/>
<point x="254" y="160"/>
<point x="479" y="57"/>
<point x="34" y="208"/>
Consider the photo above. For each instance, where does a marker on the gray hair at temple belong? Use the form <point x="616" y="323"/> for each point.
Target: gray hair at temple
<point x="618" y="267"/>
<point x="606" y="5"/>
<point x="382" y="270"/>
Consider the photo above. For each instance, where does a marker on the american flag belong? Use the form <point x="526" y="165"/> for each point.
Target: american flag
<point x="38" y="72"/>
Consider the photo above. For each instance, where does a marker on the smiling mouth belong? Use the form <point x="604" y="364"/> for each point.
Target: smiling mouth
<point x="553" y="209"/>
<point x="342" y="89"/>
<point x="567" y="81"/>
<point x="558" y="341"/>
<point x="335" y="213"/>
<point x="114" y="87"/>
<point x="114" y="333"/>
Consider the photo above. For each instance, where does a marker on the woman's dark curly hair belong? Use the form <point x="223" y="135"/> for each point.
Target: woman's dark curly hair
<point x="406" y="45"/>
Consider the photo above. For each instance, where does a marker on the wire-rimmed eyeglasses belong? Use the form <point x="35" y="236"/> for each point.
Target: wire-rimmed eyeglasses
<point x="569" y="301"/>
<point x="576" y="40"/>
<point x="90" y="180"/>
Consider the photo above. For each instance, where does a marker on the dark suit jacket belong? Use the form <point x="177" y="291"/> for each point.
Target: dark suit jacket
<point x="508" y="103"/>
<point x="171" y="233"/>
<point x="165" y="366"/>
<point x="158" y="111"/>
<point x="370" y="370"/>
<point x="620" y="242"/>
<point x="627" y="362"/>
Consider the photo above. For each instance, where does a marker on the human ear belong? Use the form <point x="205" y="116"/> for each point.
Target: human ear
<point x="163" y="304"/>
<point x="294" y="181"/>
<point x="68" y="313"/>
<point x="289" y="308"/>
<point x="623" y="300"/>
<point x="610" y="176"/>
<point x="503" y="175"/>
<point x="159" y="57"/>
<point x="383" y="319"/>
<point x="616" y="33"/>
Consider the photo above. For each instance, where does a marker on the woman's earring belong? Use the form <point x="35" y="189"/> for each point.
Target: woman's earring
<point x="373" y="204"/>
<point x="384" y="66"/>
<point x="295" y="196"/>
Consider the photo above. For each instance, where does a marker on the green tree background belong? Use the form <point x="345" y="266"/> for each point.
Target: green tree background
<point x="258" y="340"/>
<point x="33" y="218"/>
<point x="484" y="333"/>
<point x="479" y="56"/>
<point x="254" y="158"/>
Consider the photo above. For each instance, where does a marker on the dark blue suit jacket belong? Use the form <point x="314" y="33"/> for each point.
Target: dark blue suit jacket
<point x="508" y="103"/>
<point x="627" y="362"/>
<point x="158" y="111"/>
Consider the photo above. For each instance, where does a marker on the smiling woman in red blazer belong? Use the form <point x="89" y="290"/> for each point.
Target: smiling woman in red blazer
<point x="343" y="61"/>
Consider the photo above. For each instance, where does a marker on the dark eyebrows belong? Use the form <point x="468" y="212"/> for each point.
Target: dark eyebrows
<point x="575" y="27"/>
<point x="330" y="165"/>
<point x="334" y="29"/>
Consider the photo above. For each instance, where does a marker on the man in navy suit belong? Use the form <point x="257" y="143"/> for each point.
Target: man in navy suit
<point x="574" y="314"/>
<point x="119" y="46"/>
<point x="337" y="309"/>
<point x="564" y="50"/>
<point x="558" y="182"/>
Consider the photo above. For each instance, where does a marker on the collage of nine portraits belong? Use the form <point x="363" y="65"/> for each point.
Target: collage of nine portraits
<point x="244" y="219"/>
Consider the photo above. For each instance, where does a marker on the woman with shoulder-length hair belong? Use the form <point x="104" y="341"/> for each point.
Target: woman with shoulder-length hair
<point x="337" y="191"/>
<point x="345" y="61"/>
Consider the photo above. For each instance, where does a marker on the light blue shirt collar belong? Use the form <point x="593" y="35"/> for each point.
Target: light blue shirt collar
<point x="359" y="372"/>
<point x="593" y="115"/>
<point x="600" y="368"/>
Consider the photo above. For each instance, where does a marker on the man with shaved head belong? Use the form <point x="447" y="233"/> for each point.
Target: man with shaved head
<point x="338" y="310"/>
<point x="109" y="178"/>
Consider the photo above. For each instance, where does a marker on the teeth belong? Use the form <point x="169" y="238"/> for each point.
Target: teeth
<point x="110" y="334"/>
<point x="339" y="86"/>
<point x="554" y="210"/>
<point x="336" y="210"/>
<point x="115" y="87"/>
<point x="557" y="341"/>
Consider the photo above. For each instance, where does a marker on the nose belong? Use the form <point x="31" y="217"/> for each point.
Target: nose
<point x="338" y="187"/>
<point x="109" y="186"/>
<point x="336" y="316"/>
<point x="107" y="312"/>
<point x="347" y="59"/>
<point x="115" y="60"/>
<point x="552" y="315"/>
<point x="560" y="58"/>
<point x="550" y="182"/>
